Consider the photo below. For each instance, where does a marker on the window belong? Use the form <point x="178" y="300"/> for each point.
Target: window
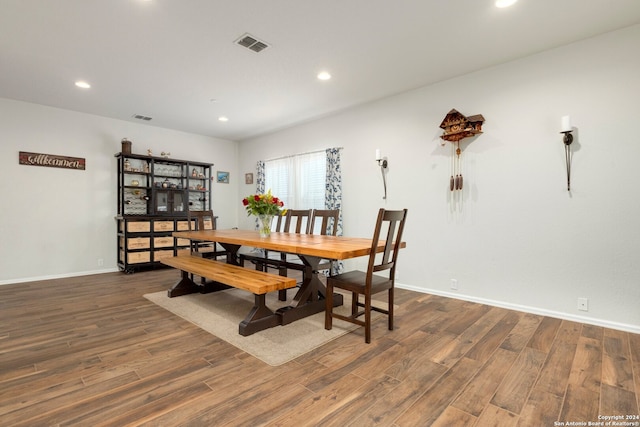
<point x="299" y="181"/>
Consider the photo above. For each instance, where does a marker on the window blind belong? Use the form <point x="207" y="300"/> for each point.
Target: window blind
<point x="299" y="181"/>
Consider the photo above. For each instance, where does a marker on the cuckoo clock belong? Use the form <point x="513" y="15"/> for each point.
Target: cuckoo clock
<point x="456" y="127"/>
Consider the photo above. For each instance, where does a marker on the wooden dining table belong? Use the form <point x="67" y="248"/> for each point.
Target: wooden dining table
<point x="312" y="249"/>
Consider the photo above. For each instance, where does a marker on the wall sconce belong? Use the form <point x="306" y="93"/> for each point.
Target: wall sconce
<point x="567" y="139"/>
<point x="383" y="165"/>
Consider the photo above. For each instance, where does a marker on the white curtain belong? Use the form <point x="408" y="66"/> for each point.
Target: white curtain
<point x="299" y="181"/>
<point x="306" y="181"/>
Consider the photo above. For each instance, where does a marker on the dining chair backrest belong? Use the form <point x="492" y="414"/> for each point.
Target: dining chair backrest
<point x="324" y="222"/>
<point x="204" y="220"/>
<point x="201" y="220"/>
<point x="389" y="226"/>
<point x="279" y="220"/>
<point x="297" y="221"/>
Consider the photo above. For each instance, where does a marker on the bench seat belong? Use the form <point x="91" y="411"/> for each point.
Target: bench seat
<point x="260" y="317"/>
<point x="254" y="281"/>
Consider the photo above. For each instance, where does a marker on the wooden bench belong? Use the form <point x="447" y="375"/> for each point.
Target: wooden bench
<point x="257" y="282"/>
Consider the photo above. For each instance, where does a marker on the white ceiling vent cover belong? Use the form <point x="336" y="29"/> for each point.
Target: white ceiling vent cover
<point x="252" y="43"/>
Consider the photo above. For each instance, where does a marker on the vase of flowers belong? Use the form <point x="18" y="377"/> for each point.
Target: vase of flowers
<point x="264" y="224"/>
<point x="265" y="207"/>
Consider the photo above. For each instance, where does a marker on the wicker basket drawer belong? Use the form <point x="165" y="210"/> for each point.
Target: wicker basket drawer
<point x="136" y="242"/>
<point x="184" y="225"/>
<point x="182" y="242"/>
<point x="183" y="252"/>
<point x="163" y="226"/>
<point x="136" y="257"/>
<point x="160" y="255"/>
<point x="138" y="226"/>
<point x="163" y="242"/>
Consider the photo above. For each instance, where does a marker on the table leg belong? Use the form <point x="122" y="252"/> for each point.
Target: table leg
<point x="310" y="298"/>
<point x="232" y="255"/>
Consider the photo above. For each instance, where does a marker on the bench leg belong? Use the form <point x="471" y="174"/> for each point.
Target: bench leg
<point x="259" y="318"/>
<point x="184" y="286"/>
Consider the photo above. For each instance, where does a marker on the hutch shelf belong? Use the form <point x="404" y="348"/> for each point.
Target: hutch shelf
<point x="154" y="197"/>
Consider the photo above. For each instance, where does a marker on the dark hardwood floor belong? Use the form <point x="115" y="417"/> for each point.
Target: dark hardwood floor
<point x="91" y="351"/>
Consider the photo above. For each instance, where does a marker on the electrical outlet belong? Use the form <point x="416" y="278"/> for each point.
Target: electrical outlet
<point x="100" y="262"/>
<point x="583" y="304"/>
<point x="454" y="284"/>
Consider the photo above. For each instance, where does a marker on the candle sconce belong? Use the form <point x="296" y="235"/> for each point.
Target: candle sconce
<point x="567" y="130"/>
<point x="382" y="162"/>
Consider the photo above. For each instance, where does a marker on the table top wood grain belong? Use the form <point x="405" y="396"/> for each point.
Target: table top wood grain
<point x="329" y="247"/>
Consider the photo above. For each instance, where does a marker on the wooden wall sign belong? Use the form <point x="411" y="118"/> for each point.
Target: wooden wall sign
<point x="51" y="160"/>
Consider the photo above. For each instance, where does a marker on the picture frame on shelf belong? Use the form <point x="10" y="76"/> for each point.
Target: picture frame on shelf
<point x="222" y="177"/>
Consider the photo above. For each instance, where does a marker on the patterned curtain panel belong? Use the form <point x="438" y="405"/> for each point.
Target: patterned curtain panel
<point x="260" y="180"/>
<point x="260" y="184"/>
<point x="333" y="193"/>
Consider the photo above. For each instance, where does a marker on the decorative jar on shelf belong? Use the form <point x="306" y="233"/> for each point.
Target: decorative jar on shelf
<point x="126" y="146"/>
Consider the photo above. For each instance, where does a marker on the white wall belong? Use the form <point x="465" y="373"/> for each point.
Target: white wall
<point x="59" y="222"/>
<point x="515" y="237"/>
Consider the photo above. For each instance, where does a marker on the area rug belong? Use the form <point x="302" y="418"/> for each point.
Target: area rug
<point x="219" y="313"/>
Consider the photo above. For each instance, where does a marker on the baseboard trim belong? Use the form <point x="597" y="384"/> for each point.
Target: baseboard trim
<point x="635" y="329"/>
<point x="526" y="309"/>
<point x="56" y="276"/>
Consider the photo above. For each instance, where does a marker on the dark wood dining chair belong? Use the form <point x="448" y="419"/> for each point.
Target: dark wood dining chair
<point x="297" y="221"/>
<point x="204" y="220"/>
<point x="327" y="220"/>
<point x="260" y="260"/>
<point x="389" y="227"/>
<point x="324" y="222"/>
<point x="294" y="221"/>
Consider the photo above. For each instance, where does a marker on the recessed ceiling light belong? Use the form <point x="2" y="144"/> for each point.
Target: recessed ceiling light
<point x="324" y="75"/>
<point x="504" y="3"/>
<point x="83" y="84"/>
<point x="223" y="119"/>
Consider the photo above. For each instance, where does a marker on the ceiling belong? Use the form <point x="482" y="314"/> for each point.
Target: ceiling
<point x="176" y="61"/>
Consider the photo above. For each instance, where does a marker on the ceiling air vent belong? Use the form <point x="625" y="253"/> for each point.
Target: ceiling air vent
<point x="252" y="43"/>
<point x="141" y="117"/>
